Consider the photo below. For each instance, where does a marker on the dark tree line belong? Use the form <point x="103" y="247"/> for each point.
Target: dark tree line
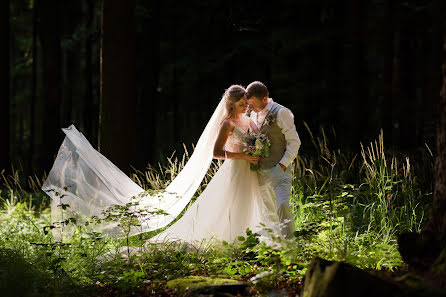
<point x="142" y="77"/>
<point x="50" y="31"/>
<point x="118" y="83"/>
<point x="5" y="160"/>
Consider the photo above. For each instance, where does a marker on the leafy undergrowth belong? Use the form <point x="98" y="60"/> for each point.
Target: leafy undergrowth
<point x="33" y="263"/>
<point x="347" y="208"/>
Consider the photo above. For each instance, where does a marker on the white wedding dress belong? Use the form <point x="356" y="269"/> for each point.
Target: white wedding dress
<point x="232" y="202"/>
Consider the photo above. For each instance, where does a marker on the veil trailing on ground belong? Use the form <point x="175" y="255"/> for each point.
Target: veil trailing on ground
<point x="89" y="183"/>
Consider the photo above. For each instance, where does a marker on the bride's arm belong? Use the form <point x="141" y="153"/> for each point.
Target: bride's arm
<point x="219" y="151"/>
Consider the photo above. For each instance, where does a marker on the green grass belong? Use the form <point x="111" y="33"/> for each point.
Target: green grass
<point x="347" y="207"/>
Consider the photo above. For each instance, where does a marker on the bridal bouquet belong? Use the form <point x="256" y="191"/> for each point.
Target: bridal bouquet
<point x="257" y="145"/>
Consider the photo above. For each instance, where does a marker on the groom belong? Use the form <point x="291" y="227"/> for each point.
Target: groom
<point x="277" y="123"/>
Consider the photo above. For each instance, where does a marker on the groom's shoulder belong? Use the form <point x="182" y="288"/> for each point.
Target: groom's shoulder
<point x="280" y="106"/>
<point x="281" y="110"/>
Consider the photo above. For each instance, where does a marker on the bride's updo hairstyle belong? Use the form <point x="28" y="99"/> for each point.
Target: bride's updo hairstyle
<point x="232" y="95"/>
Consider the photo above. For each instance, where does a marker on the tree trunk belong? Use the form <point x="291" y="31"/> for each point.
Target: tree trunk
<point x="91" y="109"/>
<point x="353" y="70"/>
<point x="73" y="82"/>
<point x="389" y="52"/>
<point x="407" y="86"/>
<point x="5" y="160"/>
<point x="148" y="72"/>
<point x="175" y="85"/>
<point x="31" y="155"/>
<point x="118" y="88"/>
<point x="438" y="216"/>
<point x="49" y="34"/>
<point x="437" y="220"/>
<point x="420" y="251"/>
<point x="434" y="77"/>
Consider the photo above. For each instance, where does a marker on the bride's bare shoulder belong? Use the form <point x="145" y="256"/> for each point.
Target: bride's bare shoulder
<point x="227" y="125"/>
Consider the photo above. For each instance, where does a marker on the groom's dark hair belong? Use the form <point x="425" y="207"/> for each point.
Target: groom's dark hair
<point x="256" y="89"/>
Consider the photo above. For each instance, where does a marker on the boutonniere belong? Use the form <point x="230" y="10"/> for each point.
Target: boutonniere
<point x="269" y="119"/>
<point x="248" y="112"/>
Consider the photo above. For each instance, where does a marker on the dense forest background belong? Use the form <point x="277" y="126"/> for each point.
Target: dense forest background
<point x="350" y="66"/>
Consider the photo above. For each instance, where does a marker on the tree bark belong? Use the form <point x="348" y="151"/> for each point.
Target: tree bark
<point x="389" y="52"/>
<point x="33" y="89"/>
<point x="434" y="76"/>
<point x="118" y="88"/>
<point x="148" y="73"/>
<point x="5" y="160"/>
<point x="436" y="224"/>
<point x="407" y="85"/>
<point x="91" y="109"/>
<point x="73" y="82"/>
<point x="353" y="70"/>
<point x="439" y="206"/>
<point x="423" y="252"/>
<point x="49" y="35"/>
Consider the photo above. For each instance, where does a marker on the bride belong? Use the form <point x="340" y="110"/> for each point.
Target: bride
<point x="232" y="202"/>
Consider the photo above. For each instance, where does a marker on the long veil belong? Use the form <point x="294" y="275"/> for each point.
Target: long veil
<point x="84" y="183"/>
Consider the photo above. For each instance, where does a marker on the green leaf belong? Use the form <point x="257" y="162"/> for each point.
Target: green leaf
<point x="229" y="270"/>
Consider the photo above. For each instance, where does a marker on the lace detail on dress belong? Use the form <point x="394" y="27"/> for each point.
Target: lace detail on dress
<point x="235" y="141"/>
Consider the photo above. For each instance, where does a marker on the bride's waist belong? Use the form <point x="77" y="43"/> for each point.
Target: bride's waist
<point x="234" y="148"/>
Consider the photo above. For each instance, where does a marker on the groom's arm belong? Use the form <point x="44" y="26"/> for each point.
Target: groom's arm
<point x="285" y="121"/>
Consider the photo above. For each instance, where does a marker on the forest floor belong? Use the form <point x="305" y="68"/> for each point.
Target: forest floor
<point x="347" y="207"/>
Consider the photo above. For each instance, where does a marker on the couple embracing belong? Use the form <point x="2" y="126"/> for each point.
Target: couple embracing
<point x="235" y="199"/>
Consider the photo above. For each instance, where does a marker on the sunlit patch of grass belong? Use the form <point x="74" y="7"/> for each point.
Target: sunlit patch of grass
<point x="356" y="221"/>
<point x="347" y="207"/>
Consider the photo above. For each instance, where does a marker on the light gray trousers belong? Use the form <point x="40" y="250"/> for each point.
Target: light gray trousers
<point x="274" y="181"/>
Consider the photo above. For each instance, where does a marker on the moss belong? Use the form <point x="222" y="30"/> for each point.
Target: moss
<point x="197" y="281"/>
<point x="411" y="280"/>
<point x="439" y="266"/>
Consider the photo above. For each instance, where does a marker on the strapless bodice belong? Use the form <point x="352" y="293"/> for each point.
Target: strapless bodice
<point x="235" y="141"/>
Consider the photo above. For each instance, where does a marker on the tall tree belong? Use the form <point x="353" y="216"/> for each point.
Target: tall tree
<point x="49" y="35"/>
<point x="73" y="80"/>
<point x="437" y="220"/>
<point x="407" y="84"/>
<point x="148" y="46"/>
<point x="388" y="31"/>
<point x="91" y="108"/>
<point x="5" y="160"/>
<point x="356" y="94"/>
<point x="33" y="87"/>
<point x="424" y="250"/>
<point x="118" y="88"/>
<point x="434" y="78"/>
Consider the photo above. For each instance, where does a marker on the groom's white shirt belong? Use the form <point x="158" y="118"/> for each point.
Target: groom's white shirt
<point x="285" y="121"/>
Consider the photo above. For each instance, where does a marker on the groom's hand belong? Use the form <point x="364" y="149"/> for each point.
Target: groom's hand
<point x="282" y="166"/>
